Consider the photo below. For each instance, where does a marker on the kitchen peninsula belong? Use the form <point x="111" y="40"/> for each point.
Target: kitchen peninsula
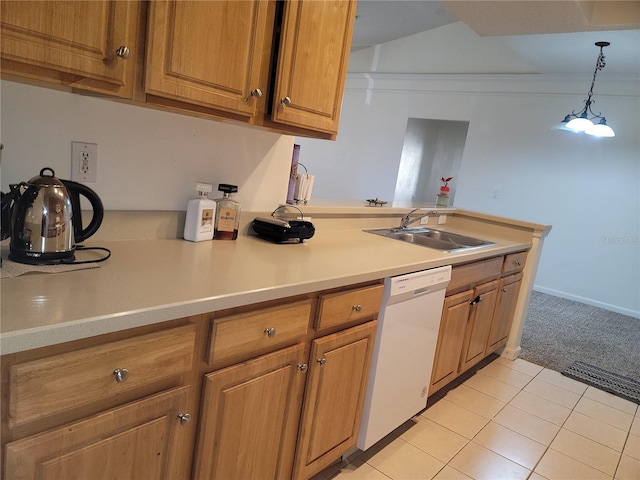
<point x="185" y="314"/>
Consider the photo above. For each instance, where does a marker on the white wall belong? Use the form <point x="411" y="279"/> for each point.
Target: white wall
<point x="147" y="159"/>
<point x="587" y="188"/>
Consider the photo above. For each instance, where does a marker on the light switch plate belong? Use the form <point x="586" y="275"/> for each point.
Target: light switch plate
<point x="84" y="162"/>
<point x="442" y="219"/>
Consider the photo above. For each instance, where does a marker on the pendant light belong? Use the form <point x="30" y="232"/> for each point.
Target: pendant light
<point x="585" y="120"/>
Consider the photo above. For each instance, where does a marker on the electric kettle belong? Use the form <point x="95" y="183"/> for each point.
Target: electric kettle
<point x="44" y="219"/>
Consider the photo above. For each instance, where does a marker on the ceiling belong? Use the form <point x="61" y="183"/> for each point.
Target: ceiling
<point x="556" y="36"/>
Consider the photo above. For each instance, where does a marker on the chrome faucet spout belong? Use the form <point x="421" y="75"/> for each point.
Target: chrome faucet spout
<point x="407" y="220"/>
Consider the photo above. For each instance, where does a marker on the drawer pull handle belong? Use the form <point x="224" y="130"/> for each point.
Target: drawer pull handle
<point x="184" y="418"/>
<point x="357" y="308"/>
<point x="303" y="367"/>
<point x="270" y="332"/>
<point x="321" y="361"/>
<point x="121" y="375"/>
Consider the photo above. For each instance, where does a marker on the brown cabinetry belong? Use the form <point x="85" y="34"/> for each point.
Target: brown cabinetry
<point x="209" y="53"/>
<point x="272" y="390"/>
<point x="477" y="315"/>
<point x="312" y="63"/>
<point x="508" y="291"/>
<point x="91" y="45"/>
<point x="249" y="417"/>
<point x="138" y="440"/>
<point x="281" y="65"/>
<point x="115" y="408"/>
<point x="338" y="371"/>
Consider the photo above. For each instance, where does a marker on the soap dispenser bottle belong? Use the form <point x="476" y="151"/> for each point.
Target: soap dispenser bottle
<point x="228" y="214"/>
<point x="198" y="225"/>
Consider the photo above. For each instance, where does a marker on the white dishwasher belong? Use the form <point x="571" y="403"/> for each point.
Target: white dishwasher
<point x="404" y="352"/>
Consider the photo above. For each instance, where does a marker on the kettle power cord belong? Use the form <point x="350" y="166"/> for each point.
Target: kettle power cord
<point x="82" y="247"/>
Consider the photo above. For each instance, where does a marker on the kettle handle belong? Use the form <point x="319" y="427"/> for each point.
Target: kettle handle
<point x="75" y="190"/>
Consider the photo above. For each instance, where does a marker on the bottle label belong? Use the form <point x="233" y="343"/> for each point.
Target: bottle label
<point x="206" y="220"/>
<point x="227" y="220"/>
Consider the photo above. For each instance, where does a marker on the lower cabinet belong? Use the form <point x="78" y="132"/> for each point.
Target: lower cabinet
<point x="138" y="440"/>
<point x="338" y="371"/>
<point x="250" y="415"/>
<point x="477" y="315"/>
<point x="505" y="308"/>
<point x="455" y="314"/>
<point x="479" y="324"/>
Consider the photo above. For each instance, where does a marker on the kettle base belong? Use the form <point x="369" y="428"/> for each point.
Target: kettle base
<point x="59" y="258"/>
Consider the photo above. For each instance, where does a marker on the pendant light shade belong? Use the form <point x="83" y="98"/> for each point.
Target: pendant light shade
<point x="600" y="129"/>
<point x="585" y="121"/>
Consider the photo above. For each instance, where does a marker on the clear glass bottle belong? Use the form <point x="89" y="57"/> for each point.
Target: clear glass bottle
<point x="227" y="214"/>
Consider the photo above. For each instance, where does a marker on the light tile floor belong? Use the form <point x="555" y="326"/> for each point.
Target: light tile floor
<point x="511" y="420"/>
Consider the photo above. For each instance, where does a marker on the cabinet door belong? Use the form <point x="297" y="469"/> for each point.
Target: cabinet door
<point x="477" y="331"/>
<point x="455" y="314"/>
<point x="505" y="308"/>
<point x="140" y="440"/>
<point x="250" y="415"/>
<point x="207" y="53"/>
<point x="339" y="367"/>
<point x="312" y="65"/>
<point x="72" y="42"/>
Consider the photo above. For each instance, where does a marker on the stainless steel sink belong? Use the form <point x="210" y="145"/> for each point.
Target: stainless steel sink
<point x="428" y="237"/>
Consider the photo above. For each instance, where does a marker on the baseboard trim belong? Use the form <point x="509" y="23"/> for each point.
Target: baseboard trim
<point x="588" y="301"/>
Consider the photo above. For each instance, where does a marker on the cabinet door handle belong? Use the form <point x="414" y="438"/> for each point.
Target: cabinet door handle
<point x="184" y="418"/>
<point x="357" y="308"/>
<point x="123" y="52"/>
<point x="121" y="375"/>
<point x="270" y="332"/>
<point x="303" y="367"/>
<point x="476" y="300"/>
<point x="504" y="289"/>
<point x="256" y="92"/>
<point x="321" y="361"/>
<point x="286" y="101"/>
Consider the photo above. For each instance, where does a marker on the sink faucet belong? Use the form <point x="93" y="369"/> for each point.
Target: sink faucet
<point x="406" y="220"/>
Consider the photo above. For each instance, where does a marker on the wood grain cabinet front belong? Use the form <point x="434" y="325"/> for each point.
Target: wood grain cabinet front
<point x="477" y="315"/>
<point x="51" y="385"/>
<point x="208" y="53"/>
<point x="139" y="440"/>
<point x="91" y="45"/>
<point x="338" y="372"/>
<point x="249" y="419"/>
<point x="508" y="291"/>
<point x="346" y="307"/>
<point x="312" y="63"/>
<point x="246" y="335"/>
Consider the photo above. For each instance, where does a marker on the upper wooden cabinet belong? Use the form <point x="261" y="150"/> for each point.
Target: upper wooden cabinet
<point x="208" y="53"/>
<point x="277" y="64"/>
<point x="312" y="63"/>
<point x="88" y="45"/>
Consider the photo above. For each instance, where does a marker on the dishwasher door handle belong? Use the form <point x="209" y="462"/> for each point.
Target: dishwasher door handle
<point x="421" y="291"/>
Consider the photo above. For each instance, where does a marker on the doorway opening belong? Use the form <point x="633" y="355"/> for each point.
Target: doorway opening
<point x="432" y="149"/>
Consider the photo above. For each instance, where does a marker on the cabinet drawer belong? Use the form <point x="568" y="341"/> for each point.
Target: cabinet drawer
<point x="61" y="382"/>
<point x="514" y="262"/>
<point x="251" y="334"/>
<point x="471" y="274"/>
<point x="344" y="307"/>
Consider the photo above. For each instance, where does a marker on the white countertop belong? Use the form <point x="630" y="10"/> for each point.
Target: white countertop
<point x="150" y="281"/>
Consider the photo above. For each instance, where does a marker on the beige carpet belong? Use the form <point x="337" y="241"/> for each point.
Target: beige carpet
<point x="558" y="332"/>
